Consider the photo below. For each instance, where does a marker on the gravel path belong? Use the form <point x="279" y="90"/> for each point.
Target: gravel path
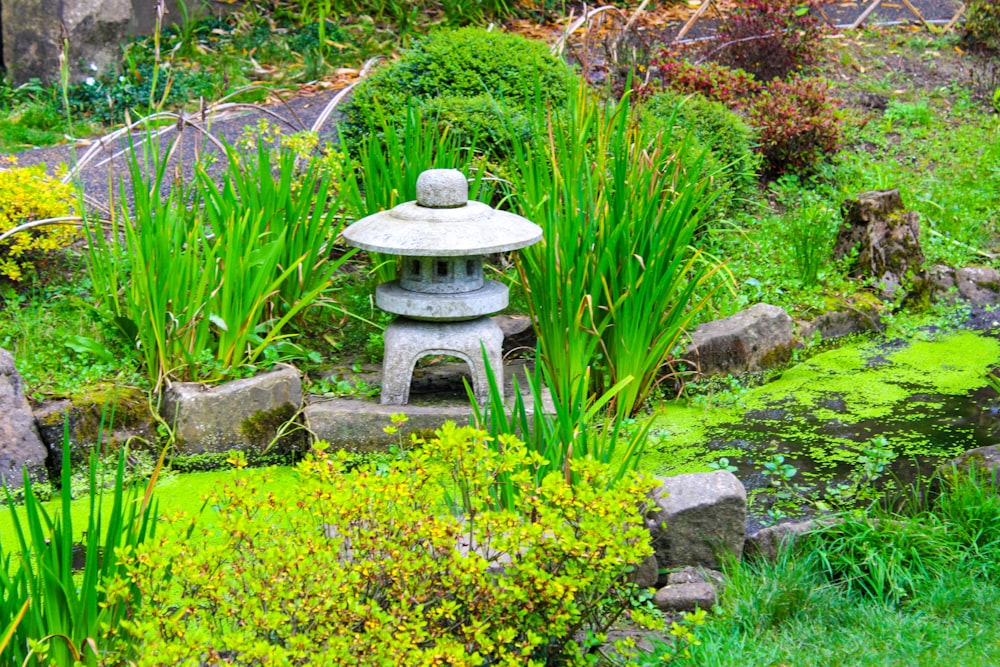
<point x="297" y="113"/>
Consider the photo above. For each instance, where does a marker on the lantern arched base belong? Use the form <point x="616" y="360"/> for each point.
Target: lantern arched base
<point x="407" y="341"/>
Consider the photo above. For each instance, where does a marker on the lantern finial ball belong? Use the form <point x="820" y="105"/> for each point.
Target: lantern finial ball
<point x="442" y="188"/>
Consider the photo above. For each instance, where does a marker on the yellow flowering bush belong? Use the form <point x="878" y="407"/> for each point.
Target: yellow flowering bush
<point x="28" y="193"/>
<point x="369" y="567"/>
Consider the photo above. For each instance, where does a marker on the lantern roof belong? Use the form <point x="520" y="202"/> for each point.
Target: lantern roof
<point x="442" y="222"/>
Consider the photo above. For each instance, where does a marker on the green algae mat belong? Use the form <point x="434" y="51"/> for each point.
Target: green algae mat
<point x="926" y="396"/>
<point x="174" y="493"/>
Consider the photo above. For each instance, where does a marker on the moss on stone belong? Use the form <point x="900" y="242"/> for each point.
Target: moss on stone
<point x="261" y="427"/>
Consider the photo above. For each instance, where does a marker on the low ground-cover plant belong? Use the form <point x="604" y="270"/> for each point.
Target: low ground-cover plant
<point x="888" y="556"/>
<point x="26" y="194"/>
<point x="915" y="587"/>
<point x="369" y="566"/>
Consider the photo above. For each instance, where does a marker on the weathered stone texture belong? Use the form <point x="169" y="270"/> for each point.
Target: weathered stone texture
<point x="698" y="519"/>
<point x="231" y="415"/>
<point x="756" y="338"/>
<point x="20" y="446"/>
<point x="887" y="238"/>
<point x="33" y="33"/>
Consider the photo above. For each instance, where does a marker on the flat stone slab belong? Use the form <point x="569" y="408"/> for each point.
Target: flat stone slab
<point x="357" y="424"/>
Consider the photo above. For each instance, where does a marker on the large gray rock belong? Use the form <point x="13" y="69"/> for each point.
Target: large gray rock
<point x="840" y="323"/>
<point x="95" y="29"/>
<point x="689" y="589"/>
<point x="243" y="414"/>
<point x="983" y="461"/>
<point x="766" y="543"/>
<point x="978" y="285"/>
<point x="647" y="573"/>
<point x="105" y="415"/>
<point x="20" y="446"/>
<point x="887" y="238"/>
<point x="358" y="425"/>
<point x="756" y="338"/>
<point x="685" y="597"/>
<point x="698" y="519"/>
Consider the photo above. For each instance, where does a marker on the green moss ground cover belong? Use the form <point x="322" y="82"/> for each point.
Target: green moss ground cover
<point x="820" y="410"/>
<point x="175" y="494"/>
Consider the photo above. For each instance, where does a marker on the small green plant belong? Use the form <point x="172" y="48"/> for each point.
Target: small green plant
<point x="859" y="489"/>
<point x="809" y="228"/>
<point x="723" y="464"/>
<point x="334" y="386"/>
<point x="779" y="474"/>
<point x="907" y="114"/>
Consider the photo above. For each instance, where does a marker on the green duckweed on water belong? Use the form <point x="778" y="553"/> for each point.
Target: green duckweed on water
<point x="175" y="493"/>
<point x="822" y="410"/>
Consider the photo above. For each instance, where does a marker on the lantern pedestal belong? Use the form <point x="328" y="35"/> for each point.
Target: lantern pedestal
<point x="441" y="295"/>
<point x="408" y="340"/>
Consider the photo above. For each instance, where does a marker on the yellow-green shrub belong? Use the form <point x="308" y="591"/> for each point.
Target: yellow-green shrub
<point x="28" y="193"/>
<point x="370" y="568"/>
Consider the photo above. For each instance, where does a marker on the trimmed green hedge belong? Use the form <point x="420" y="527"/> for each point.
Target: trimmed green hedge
<point x="470" y="81"/>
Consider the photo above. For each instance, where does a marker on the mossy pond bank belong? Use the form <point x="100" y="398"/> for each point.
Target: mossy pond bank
<point x="927" y="396"/>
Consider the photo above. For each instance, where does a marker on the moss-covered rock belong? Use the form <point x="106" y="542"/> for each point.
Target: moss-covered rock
<point x="104" y="414"/>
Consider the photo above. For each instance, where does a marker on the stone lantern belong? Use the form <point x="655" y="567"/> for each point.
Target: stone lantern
<point x="441" y="296"/>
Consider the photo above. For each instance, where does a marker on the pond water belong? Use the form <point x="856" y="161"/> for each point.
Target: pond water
<point x="928" y="398"/>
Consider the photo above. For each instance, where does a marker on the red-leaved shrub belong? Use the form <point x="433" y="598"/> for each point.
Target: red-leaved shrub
<point x="769" y="38"/>
<point x="797" y="124"/>
<point x="732" y="87"/>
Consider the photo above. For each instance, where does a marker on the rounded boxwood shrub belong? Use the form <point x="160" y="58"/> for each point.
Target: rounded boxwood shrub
<point x="485" y="76"/>
<point x="731" y="158"/>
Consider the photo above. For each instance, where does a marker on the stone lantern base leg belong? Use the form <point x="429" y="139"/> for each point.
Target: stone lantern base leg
<point x="408" y="340"/>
